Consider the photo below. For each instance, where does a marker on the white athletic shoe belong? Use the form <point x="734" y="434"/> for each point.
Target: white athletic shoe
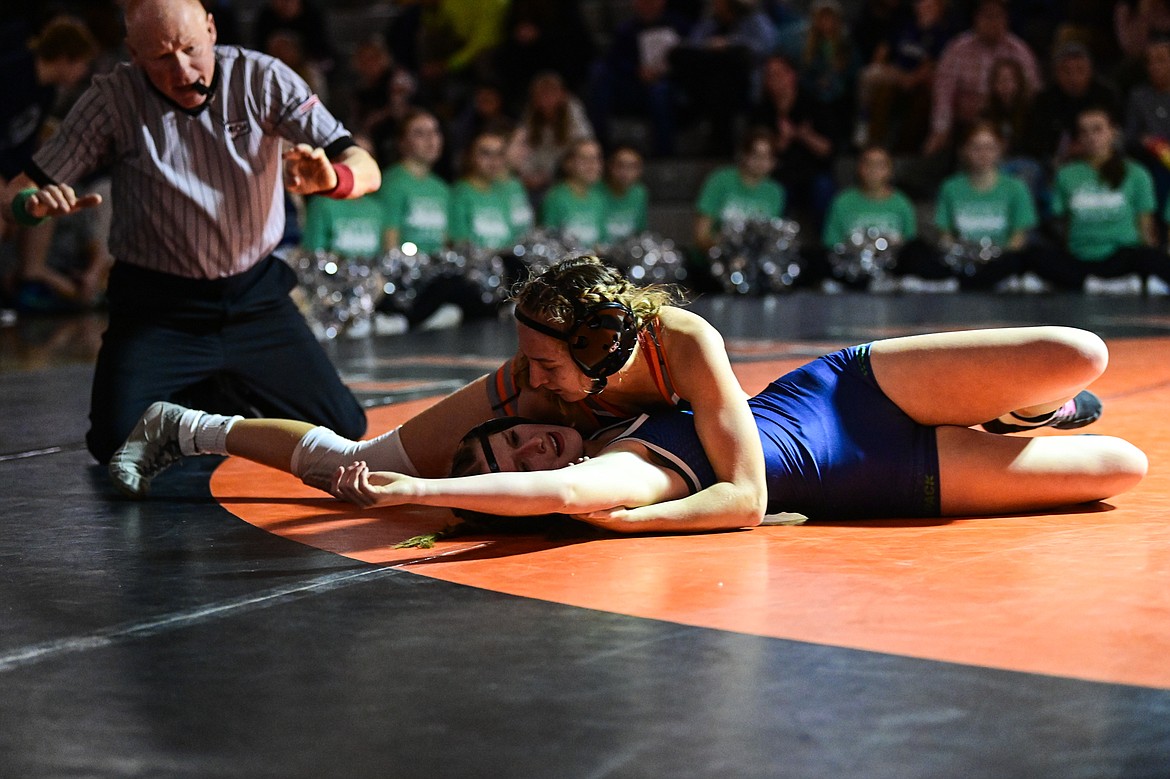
<point x="151" y="448"/>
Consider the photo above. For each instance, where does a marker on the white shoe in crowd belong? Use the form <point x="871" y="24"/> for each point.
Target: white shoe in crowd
<point x="1122" y="285"/>
<point x="1155" y="286"/>
<point x="447" y="315"/>
<point x="390" y="324"/>
<point x="358" y="329"/>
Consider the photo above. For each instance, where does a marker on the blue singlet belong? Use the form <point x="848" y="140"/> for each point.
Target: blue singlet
<point x="835" y="446"/>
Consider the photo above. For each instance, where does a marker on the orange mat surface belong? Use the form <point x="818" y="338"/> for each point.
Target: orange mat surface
<point x="1083" y="594"/>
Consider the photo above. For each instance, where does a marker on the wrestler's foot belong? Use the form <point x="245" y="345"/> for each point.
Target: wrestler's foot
<point x="1084" y="409"/>
<point x="151" y="448"/>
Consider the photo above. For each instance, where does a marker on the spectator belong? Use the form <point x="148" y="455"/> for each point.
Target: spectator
<point x="576" y="206"/>
<point x="1106" y="202"/>
<point x="625" y="195"/>
<point x="415" y="200"/>
<point x="417" y="204"/>
<point x="483" y="113"/>
<point x="197" y="300"/>
<point x="1090" y="23"/>
<point x="1147" y="121"/>
<point x="805" y="144"/>
<point x="874" y="203"/>
<point x="384" y="124"/>
<point x="1138" y="23"/>
<point x="960" y="83"/>
<point x="983" y="204"/>
<point x="1052" y="132"/>
<point x="739" y="193"/>
<point x="482" y="213"/>
<point x="1009" y="104"/>
<point x="287" y="47"/>
<point x="875" y="24"/>
<point x="544" y="35"/>
<point x="828" y="69"/>
<point x="457" y="44"/>
<point x="718" y="66"/>
<point x="53" y="62"/>
<point x="633" y="76"/>
<point x="552" y="121"/>
<point x="895" y="88"/>
<point x="372" y="68"/>
<point x="307" y="24"/>
<point x="1009" y="111"/>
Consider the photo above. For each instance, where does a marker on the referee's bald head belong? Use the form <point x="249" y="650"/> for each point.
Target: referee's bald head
<point x="174" y="42"/>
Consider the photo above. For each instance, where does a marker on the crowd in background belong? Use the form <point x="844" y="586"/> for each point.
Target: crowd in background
<point x="1037" y="131"/>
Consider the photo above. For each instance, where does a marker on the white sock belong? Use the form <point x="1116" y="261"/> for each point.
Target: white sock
<point x="187" y="425"/>
<point x="210" y="434"/>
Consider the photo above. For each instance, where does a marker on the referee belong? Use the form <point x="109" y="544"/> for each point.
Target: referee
<point x="192" y="136"/>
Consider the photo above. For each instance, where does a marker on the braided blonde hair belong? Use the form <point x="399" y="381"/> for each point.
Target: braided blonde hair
<point x="559" y="292"/>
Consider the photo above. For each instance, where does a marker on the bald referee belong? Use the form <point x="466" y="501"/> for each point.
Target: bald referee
<point x="192" y="136"/>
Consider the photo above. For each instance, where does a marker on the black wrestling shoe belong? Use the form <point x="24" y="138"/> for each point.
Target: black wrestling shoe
<point x="1084" y="409"/>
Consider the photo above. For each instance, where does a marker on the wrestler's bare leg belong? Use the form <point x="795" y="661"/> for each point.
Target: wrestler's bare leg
<point x="984" y="473"/>
<point x="269" y="442"/>
<point x="965" y="378"/>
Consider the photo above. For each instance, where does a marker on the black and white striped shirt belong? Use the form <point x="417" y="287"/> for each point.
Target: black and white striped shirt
<point x="195" y="193"/>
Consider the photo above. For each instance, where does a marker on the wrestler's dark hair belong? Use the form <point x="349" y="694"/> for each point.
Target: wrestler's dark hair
<point x="469" y="461"/>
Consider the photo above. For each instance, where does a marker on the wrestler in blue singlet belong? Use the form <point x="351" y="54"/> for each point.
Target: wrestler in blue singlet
<point x="835" y="446"/>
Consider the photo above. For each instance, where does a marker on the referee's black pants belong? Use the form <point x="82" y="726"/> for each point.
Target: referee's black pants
<point x="232" y="346"/>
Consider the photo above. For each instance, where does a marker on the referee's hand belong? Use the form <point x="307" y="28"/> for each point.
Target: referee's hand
<point x="58" y="200"/>
<point x="307" y="170"/>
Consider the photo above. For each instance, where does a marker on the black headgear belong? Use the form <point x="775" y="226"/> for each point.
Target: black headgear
<point x="492" y="426"/>
<point x="601" y="338"/>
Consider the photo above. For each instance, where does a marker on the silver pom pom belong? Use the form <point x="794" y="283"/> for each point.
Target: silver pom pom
<point x="868" y="254"/>
<point x="407" y="272"/>
<point x="337" y="292"/>
<point x="757" y="256"/>
<point x="647" y="258"/>
<point x="965" y="257"/>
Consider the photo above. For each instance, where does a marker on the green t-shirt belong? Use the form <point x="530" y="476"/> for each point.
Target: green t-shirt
<point x="481" y="217"/>
<point x="852" y="211"/>
<point x="520" y="207"/>
<point x="416" y="207"/>
<point x="352" y="228"/>
<point x="1101" y="220"/>
<point x="625" y="215"/>
<point x="725" y="197"/>
<point x="997" y="213"/>
<point x="581" y="217"/>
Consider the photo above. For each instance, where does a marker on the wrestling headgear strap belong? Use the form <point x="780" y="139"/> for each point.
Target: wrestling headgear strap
<point x="601" y="338"/>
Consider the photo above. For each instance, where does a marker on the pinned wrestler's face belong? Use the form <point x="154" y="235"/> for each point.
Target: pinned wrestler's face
<point x="533" y="447"/>
<point x="550" y="367"/>
<point x="174" y="42"/>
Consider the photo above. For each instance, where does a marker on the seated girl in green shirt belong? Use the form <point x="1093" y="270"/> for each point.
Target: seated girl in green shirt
<point x="985" y="206"/>
<point x="876" y="204"/>
<point x="576" y="205"/>
<point x="481" y="202"/>
<point x="739" y="193"/>
<point x="1106" y="202"/>
<point x="625" y="195"/>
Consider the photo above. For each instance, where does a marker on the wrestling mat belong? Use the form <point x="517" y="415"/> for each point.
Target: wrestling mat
<point x="1082" y="594"/>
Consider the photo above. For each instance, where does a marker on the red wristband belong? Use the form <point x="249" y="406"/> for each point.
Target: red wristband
<point x="344" y="182"/>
